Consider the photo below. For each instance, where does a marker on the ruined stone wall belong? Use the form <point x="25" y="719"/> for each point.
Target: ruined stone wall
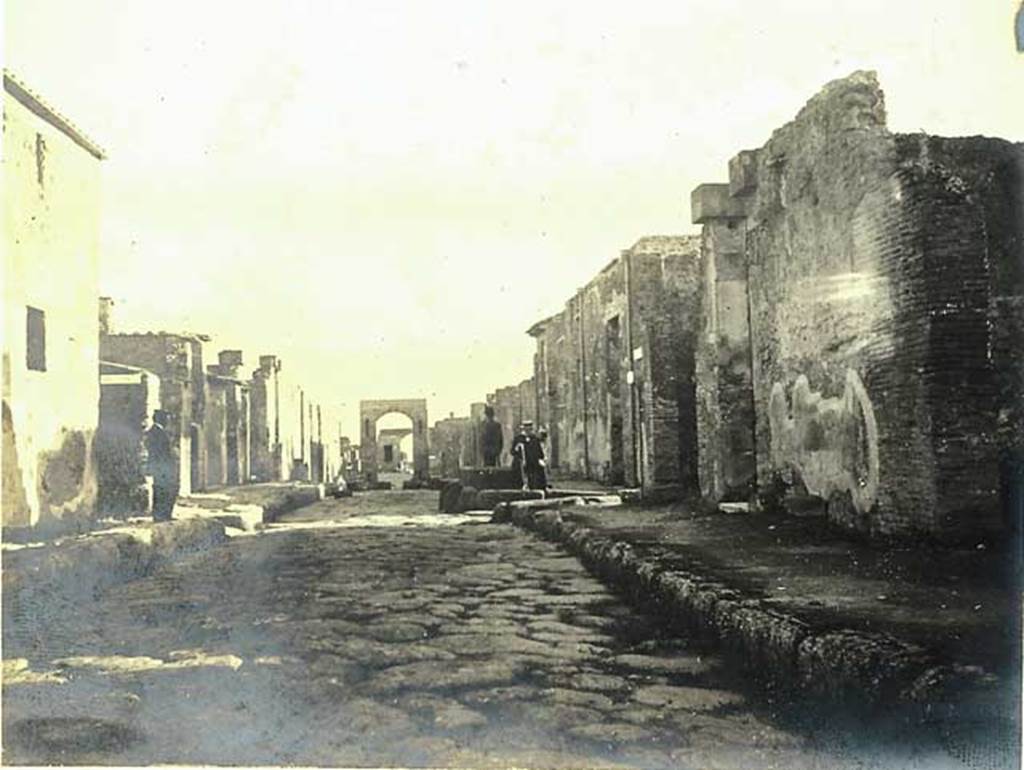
<point x="670" y="323"/>
<point x="596" y="401"/>
<point x="175" y="359"/>
<point x="126" y="402"/>
<point x="265" y="421"/>
<point x="448" y="444"/>
<point x="553" y="368"/>
<point x="50" y="415"/>
<point x="873" y="315"/>
<point x="508" y="413"/>
<point x="970" y="210"/>
<point x="289" y="409"/>
<point x="658" y="409"/>
<point x="215" y="432"/>
<point x="725" y="405"/>
<point x="261" y="404"/>
<point x="601" y="426"/>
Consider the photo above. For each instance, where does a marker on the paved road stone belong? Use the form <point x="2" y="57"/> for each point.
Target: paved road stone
<point x="471" y="645"/>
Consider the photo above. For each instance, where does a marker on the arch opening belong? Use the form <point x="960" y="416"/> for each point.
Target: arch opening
<point x="394" y="443"/>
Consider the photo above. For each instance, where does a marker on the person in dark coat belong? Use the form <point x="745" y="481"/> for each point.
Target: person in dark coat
<point x="162" y="464"/>
<point x="491" y="439"/>
<point x="533" y="458"/>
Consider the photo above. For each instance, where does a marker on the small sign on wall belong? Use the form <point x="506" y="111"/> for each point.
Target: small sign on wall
<point x="638" y="353"/>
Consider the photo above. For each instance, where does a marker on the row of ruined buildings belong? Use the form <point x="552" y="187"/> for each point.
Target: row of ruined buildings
<point x="844" y="336"/>
<point x="77" y="395"/>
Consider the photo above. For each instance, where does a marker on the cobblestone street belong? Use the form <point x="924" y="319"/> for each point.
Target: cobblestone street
<point x="372" y="631"/>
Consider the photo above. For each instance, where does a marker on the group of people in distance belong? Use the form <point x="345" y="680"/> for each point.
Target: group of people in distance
<point x="527" y="450"/>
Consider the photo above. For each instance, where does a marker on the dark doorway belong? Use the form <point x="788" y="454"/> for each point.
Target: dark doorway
<point x="195" y="459"/>
<point x="613" y="375"/>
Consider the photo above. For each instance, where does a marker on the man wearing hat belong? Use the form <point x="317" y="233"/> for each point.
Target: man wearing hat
<point x="162" y="463"/>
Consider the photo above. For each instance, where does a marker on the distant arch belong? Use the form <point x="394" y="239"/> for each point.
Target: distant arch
<point x="371" y="411"/>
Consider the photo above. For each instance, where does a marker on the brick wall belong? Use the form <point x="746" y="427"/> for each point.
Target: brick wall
<point x="884" y="285"/>
<point x="584" y="356"/>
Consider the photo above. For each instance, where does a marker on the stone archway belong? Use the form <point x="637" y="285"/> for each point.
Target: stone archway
<point x="413" y="408"/>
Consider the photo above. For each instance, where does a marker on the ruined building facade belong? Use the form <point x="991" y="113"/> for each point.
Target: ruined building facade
<point x="266" y="452"/>
<point x="176" y="360"/>
<point x="845" y="336"/>
<point x="50" y="358"/>
<point x="614" y="371"/>
<point x="861" y="341"/>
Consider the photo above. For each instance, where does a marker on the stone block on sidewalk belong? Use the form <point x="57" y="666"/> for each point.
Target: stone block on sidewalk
<point x="490" y="478"/>
<point x="488" y="498"/>
<point x="468" y="498"/>
<point x="448" y="500"/>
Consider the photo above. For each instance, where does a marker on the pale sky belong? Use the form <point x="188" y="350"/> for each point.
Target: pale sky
<point x="388" y="194"/>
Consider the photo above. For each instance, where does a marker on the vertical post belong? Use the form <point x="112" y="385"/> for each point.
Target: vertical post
<point x="302" y="425"/>
<point x="583" y="384"/>
<point x="320" y="456"/>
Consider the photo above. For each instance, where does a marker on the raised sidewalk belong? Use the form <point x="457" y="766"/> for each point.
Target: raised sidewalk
<point x="74" y="567"/>
<point x="809" y="609"/>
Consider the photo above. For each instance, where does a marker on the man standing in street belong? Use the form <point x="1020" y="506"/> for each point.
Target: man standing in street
<point x="533" y="458"/>
<point x="162" y="463"/>
<point x="491" y="440"/>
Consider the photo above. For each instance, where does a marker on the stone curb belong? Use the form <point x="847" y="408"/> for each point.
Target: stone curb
<point x="843" y="666"/>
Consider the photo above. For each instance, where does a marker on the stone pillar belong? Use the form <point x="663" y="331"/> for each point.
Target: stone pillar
<point x="106" y="311"/>
<point x="725" y="404"/>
